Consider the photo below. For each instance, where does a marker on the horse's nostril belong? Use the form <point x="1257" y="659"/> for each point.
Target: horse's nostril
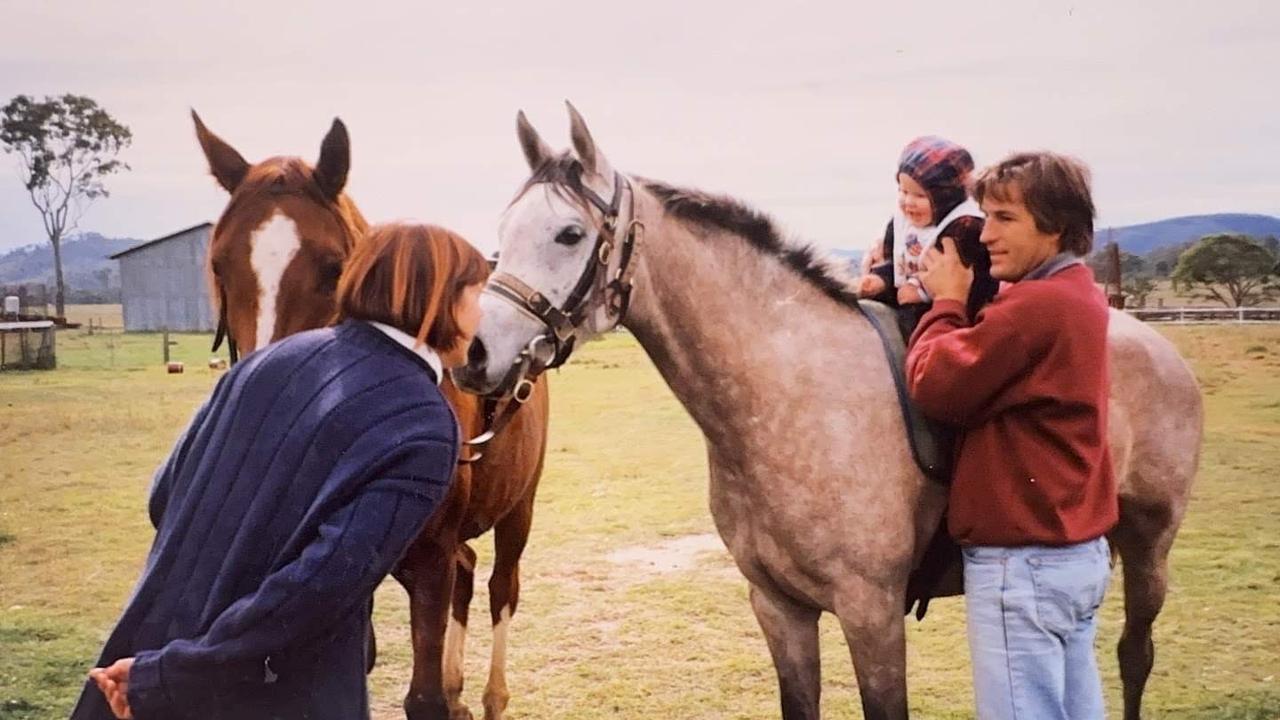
<point x="477" y="356"/>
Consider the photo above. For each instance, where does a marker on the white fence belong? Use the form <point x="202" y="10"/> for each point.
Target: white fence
<point x="1191" y="316"/>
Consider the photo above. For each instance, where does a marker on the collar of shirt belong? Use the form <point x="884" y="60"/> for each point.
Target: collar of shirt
<point x="410" y="342"/>
<point x="1054" y="265"/>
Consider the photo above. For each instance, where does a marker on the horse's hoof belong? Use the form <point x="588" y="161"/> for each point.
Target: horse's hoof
<point x="495" y="707"/>
<point x="461" y="713"/>
<point x="435" y="709"/>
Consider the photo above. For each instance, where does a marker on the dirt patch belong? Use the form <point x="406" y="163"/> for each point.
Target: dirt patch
<point x="670" y="556"/>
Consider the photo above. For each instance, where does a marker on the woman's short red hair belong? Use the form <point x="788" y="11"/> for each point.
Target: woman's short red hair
<point x="409" y="277"/>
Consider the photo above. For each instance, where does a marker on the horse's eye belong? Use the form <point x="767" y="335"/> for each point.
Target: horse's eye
<point x="329" y="274"/>
<point x="570" y="236"/>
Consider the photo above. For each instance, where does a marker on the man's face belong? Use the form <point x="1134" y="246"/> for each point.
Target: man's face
<point x="1010" y="234"/>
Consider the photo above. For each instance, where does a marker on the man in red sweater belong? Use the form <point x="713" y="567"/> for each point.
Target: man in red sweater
<point x="1034" y="493"/>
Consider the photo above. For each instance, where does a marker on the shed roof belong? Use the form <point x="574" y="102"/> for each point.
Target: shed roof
<point x="159" y="240"/>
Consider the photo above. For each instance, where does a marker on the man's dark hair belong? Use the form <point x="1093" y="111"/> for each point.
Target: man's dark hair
<point x="1055" y="189"/>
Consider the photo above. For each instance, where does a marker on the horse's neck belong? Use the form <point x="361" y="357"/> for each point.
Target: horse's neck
<point x="737" y="334"/>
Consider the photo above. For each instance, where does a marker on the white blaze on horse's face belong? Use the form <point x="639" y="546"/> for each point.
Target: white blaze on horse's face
<point x="272" y="247"/>
<point x="546" y="241"/>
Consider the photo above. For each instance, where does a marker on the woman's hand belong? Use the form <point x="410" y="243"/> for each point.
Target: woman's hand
<point x="113" y="681"/>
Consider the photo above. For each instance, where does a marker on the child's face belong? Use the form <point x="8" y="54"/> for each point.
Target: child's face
<point x="914" y="201"/>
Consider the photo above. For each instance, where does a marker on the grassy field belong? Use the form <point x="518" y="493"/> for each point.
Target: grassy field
<point x="108" y="316"/>
<point x="629" y="609"/>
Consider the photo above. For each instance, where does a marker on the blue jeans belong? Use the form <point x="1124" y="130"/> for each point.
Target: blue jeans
<point x="1031" y="618"/>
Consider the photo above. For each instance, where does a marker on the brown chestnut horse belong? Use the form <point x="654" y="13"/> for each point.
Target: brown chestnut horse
<point x="275" y="257"/>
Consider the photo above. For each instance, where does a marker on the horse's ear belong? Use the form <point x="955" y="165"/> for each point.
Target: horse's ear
<point x="592" y="159"/>
<point x="536" y="152"/>
<point x="335" y="161"/>
<point x="227" y="165"/>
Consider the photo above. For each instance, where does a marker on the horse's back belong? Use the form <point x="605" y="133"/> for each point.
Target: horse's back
<point x="1157" y="415"/>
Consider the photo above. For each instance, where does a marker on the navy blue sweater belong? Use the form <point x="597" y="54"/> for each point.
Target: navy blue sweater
<point x="297" y="487"/>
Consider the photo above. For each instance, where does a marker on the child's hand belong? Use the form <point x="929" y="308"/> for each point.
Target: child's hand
<point x="872" y="257"/>
<point x="944" y="275"/>
<point x="870" y="285"/>
<point x="909" y="295"/>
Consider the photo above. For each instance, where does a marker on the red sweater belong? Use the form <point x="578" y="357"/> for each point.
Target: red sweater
<point x="1027" y="384"/>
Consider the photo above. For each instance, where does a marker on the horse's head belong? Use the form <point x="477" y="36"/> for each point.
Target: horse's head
<point x="279" y="247"/>
<point x="564" y="267"/>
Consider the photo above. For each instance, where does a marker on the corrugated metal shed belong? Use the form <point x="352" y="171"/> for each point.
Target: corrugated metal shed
<point x="163" y="283"/>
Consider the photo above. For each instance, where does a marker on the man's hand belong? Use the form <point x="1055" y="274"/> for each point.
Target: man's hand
<point x="113" y="681"/>
<point x="944" y="275"/>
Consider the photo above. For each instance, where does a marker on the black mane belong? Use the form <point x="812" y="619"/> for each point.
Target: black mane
<point x="726" y="213"/>
<point x="719" y="212"/>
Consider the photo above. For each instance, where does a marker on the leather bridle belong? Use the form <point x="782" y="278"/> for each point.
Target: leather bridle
<point x="224" y="331"/>
<point x="564" y="324"/>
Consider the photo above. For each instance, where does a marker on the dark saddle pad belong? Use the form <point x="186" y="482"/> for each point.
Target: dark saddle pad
<point x="939" y="573"/>
<point x="931" y="442"/>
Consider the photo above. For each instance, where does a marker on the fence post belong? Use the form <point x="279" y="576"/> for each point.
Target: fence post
<point x="166" y="347"/>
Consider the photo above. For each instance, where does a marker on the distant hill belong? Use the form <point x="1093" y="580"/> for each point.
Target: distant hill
<point x="1142" y="239"/>
<point x="84" y="262"/>
<point x="854" y="257"/>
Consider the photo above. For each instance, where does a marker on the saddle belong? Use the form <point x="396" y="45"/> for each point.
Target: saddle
<point x="940" y="571"/>
<point x="931" y="442"/>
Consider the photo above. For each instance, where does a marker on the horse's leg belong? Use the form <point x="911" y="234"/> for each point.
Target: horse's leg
<point x="1143" y="539"/>
<point x="455" y="638"/>
<point x="791" y="630"/>
<point x="871" y="617"/>
<point x="427" y="573"/>
<point x="510" y="535"/>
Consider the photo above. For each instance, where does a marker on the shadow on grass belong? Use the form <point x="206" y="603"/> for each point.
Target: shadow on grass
<point x="43" y="673"/>
<point x="1247" y="705"/>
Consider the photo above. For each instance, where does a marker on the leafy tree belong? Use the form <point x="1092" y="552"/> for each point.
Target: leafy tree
<point x="1232" y="269"/>
<point x="1137" y="288"/>
<point x="1130" y="265"/>
<point x="1162" y="268"/>
<point x="66" y="147"/>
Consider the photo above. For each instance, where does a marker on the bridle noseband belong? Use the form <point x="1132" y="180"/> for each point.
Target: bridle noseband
<point x="565" y="324"/>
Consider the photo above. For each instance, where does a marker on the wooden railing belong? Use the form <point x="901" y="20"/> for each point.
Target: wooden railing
<point x="1207" y="315"/>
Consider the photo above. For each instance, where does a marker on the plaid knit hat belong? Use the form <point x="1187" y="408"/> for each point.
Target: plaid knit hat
<point x="941" y="167"/>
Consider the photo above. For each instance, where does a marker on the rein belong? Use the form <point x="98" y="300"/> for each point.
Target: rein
<point x="223" y="331"/>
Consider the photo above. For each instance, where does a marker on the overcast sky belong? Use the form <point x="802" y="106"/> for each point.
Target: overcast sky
<point x="799" y="108"/>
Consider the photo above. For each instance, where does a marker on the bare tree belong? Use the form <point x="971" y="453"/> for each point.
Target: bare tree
<point x="66" y="147"/>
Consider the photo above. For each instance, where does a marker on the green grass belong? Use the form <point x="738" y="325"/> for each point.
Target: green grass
<point x="625" y="469"/>
<point x="108" y="316"/>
